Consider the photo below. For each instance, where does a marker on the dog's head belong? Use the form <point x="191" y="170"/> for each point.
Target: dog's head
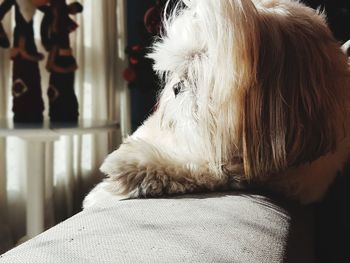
<point x="257" y="86"/>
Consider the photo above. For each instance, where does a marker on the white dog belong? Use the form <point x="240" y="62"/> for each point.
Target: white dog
<point x="257" y="92"/>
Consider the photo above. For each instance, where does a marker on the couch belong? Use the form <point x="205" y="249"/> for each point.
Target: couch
<point x="238" y="226"/>
<point x="235" y="227"/>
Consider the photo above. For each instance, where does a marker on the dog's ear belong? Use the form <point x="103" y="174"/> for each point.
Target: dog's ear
<point x="290" y="114"/>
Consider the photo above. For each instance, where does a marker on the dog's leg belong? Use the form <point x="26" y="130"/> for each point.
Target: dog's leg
<point x="100" y="195"/>
<point x="140" y="169"/>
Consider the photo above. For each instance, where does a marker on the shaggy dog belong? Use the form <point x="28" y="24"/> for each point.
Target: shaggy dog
<point x="256" y="93"/>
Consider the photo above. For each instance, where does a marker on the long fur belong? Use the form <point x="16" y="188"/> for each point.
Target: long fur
<point x="262" y="97"/>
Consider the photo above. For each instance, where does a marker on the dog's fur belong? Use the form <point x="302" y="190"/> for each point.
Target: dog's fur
<point x="256" y="93"/>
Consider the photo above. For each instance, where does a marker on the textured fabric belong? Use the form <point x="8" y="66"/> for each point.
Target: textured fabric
<point x="223" y="227"/>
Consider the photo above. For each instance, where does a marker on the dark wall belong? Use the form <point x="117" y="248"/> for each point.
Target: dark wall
<point x="143" y="90"/>
<point x="145" y="87"/>
<point x="338" y="16"/>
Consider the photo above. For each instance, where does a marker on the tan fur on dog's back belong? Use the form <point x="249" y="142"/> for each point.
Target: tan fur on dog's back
<point x="297" y="110"/>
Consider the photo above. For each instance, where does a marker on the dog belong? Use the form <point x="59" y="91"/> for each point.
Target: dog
<point x="256" y="93"/>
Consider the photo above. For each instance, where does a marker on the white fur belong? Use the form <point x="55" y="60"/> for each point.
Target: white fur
<point x="193" y="141"/>
<point x="346" y="47"/>
<point x="100" y="195"/>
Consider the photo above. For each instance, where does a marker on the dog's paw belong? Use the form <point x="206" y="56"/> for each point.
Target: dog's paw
<point x="141" y="169"/>
<point x="151" y="182"/>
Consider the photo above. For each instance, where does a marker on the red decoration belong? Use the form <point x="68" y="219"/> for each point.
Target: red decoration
<point x="136" y="48"/>
<point x="133" y="61"/>
<point x="152" y="19"/>
<point x="129" y="75"/>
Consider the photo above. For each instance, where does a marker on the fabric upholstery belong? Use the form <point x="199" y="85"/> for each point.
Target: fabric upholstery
<point x="218" y="227"/>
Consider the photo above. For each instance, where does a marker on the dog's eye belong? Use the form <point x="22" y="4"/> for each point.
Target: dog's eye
<point x="178" y="87"/>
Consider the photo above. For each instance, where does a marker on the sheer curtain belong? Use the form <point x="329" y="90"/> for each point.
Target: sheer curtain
<point x="98" y="45"/>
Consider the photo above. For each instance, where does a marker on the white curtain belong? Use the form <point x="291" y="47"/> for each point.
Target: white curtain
<point x="98" y="45"/>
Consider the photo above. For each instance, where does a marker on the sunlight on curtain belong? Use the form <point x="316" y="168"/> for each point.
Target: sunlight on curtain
<point x="76" y="158"/>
